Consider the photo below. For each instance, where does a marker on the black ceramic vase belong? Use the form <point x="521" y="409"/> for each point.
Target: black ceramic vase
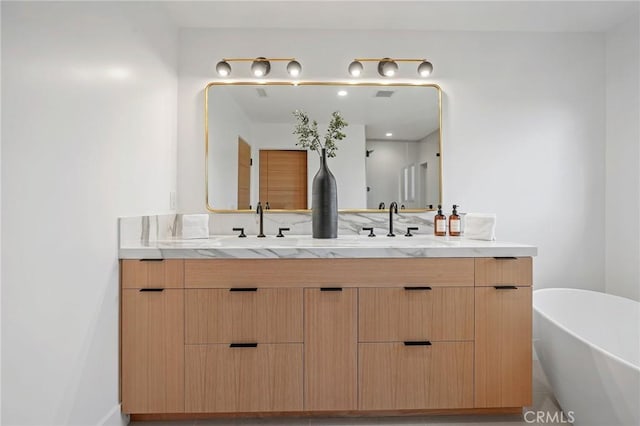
<point x="324" y="204"/>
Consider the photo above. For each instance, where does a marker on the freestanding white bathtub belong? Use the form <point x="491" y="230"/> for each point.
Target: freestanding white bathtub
<point x="588" y="344"/>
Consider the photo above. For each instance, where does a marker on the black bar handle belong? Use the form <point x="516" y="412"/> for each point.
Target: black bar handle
<point x="151" y="260"/>
<point x="243" y="345"/>
<point x="417" y="343"/>
<point x="505" y="287"/>
<point x="243" y="289"/>
<point x="417" y="288"/>
<point x="280" y="234"/>
<point x="370" y="229"/>
<point x="152" y="289"/>
<point x="409" y="229"/>
<point x="330" y="288"/>
<point x="241" y="230"/>
<point x="505" y="258"/>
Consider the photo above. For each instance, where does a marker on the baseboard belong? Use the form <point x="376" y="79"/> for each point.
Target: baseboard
<point x="115" y="417"/>
<point x="376" y="413"/>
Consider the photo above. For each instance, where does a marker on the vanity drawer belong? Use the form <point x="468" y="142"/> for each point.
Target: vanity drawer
<point x="491" y="271"/>
<point x="264" y="315"/>
<point x="397" y="376"/>
<point x="388" y="272"/>
<point x="224" y="379"/>
<point x="415" y="313"/>
<point x="152" y="273"/>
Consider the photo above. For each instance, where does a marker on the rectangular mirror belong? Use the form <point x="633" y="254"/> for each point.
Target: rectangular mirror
<point x="391" y="151"/>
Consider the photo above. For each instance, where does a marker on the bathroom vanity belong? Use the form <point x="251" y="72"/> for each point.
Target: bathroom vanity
<point x="306" y="327"/>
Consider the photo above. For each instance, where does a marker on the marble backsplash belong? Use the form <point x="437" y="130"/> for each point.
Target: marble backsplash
<point x="167" y="227"/>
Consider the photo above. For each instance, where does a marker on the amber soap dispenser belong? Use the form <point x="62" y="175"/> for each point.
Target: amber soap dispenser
<point x="440" y="223"/>
<point x="454" y="222"/>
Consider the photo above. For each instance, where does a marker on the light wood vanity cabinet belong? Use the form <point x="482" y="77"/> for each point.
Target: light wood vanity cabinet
<point x="326" y="335"/>
<point x="152" y="337"/>
<point x="415" y="375"/>
<point x="265" y="315"/>
<point x="227" y="378"/>
<point x="330" y="353"/>
<point x="415" y="313"/>
<point x="503" y="324"/>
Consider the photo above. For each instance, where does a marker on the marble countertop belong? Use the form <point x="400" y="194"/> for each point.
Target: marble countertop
<point x="305" y="247"/>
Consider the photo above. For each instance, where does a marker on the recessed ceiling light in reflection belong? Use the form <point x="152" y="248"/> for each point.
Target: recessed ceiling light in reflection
<point x="342" y="93"/>
<point x="388" y="134"/>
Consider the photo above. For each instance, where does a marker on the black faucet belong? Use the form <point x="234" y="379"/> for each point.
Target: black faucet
<point x="393" y="207"/>
<point x="259" y="211"/>
<point x="381" y="206"/>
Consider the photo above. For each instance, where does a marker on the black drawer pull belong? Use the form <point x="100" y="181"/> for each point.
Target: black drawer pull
<point x="417" y="343"/>
<point x="151" y="260"/>
<point x="152" y="289"/>
<point x="505" y="287"/>
<point x="243" y="345"/>
<point x="417" y="288"/>
<point x="243" y="289"/>
<point x="505" y="258"/>
<point x="330" y="288"/>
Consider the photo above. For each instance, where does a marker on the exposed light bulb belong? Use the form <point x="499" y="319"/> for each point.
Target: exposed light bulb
<point x="223" y="68"/>
<point x="342" y="93"/>
<point x="355" y="68"/>
<point x="260" y="67"/>
<point x="294" y="68"/>
<point x="388" y="134"/>
<point x="387" y="67"/>
<point x="425" y="69"/>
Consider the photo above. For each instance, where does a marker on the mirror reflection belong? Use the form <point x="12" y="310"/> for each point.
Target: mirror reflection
<point x="391" y="151"/>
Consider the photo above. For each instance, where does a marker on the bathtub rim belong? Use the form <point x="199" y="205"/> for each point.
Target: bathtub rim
<point x="578" y="337"/>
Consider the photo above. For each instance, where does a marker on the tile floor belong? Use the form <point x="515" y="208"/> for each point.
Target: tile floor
<point x="543" y="400"/>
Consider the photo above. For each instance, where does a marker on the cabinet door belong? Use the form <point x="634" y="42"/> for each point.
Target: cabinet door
<point x="330" y="349"/>
<point x="245" y="377"/>
<point x="503" y="346"/>
<point x="152" y="351"/>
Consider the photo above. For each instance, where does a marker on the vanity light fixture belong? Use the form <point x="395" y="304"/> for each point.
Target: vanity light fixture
<point x="260" y="66"/>
<point x="388" y="67"/>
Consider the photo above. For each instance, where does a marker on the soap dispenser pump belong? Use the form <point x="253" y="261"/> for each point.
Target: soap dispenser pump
<point x="440" y="223"/>
<point x="454" y="222"/>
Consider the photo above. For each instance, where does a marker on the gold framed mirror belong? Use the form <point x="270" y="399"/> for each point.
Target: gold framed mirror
<point x="392" y="150"/>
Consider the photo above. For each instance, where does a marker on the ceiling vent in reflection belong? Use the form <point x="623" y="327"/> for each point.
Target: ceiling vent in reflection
<point x="384" y="93"/>
<point x="261" y="93"/>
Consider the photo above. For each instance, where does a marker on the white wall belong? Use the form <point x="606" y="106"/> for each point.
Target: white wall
<point x="429" y="148"/>
<point x="347" y="166"/>
<point x="523" y="125"/>
<point x="89" y="112"/>
<point x="227" y="121"/>
<point x="384" y="170"/>
<point x="623" y="160"/>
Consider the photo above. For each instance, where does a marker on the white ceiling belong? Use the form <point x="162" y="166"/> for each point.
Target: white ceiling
<point x="544" y="16"/>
